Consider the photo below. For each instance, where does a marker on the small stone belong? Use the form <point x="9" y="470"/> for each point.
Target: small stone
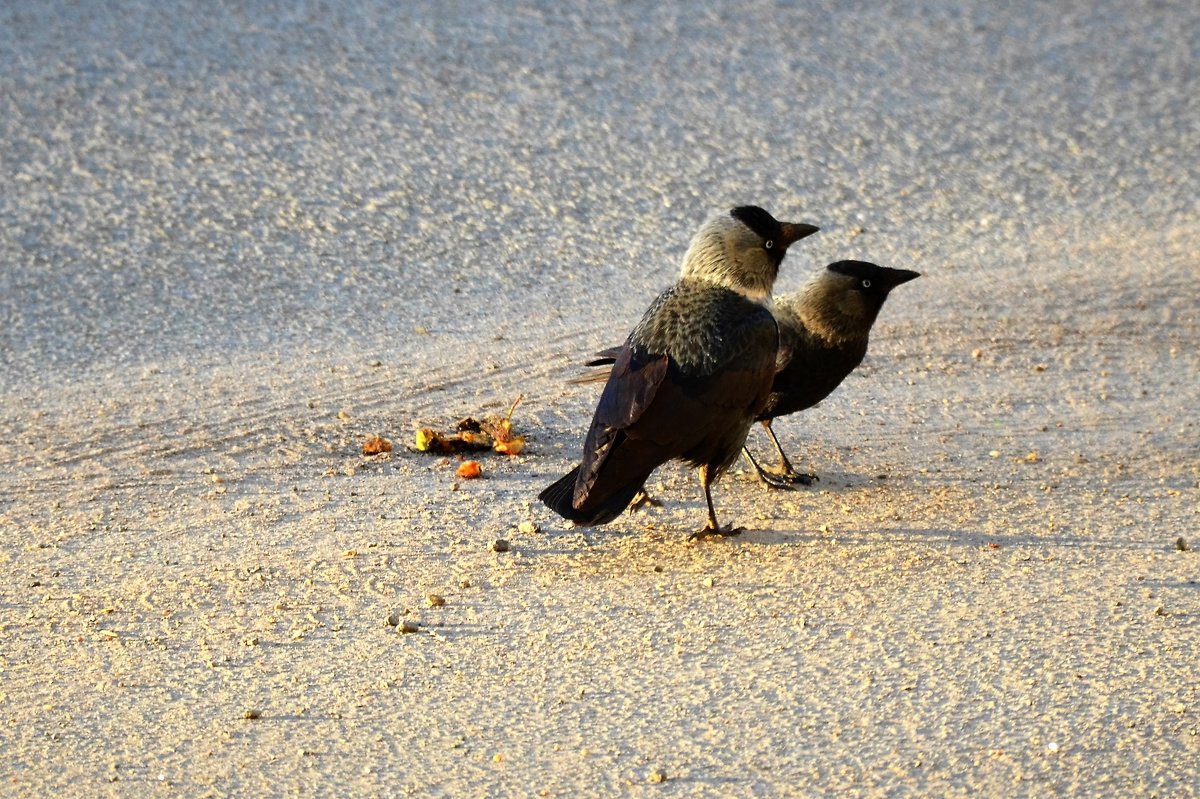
<point x="393" y="618"/>
<point x="408" y="626"/>
<point x="464" y="583"/>
<point x="1181" y="544"/>
<point x="528" y="528"/>
<point x="251" y="714"/>
<point x="657" y="777"/>
<point x="435" y="600"/>
<point x="977" y="354"/>
<point x="500" y="545"/>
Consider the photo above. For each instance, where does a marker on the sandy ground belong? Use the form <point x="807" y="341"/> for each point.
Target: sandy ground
<point x="238" y="241"/>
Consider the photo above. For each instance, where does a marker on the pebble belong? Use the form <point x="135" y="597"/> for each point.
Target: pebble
<point x="435" y="600"/>
<point x="1181" y="544"/>
<point x="408" y="626"/>
<point x="528" y="528"/>
<point x="500" y="545"/>
<point x="657" y="776"/>
<point x="252" y="714"/>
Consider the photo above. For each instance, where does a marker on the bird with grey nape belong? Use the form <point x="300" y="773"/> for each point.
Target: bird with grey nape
<point x="824" y="329"/>
<point x="692" y="377"/>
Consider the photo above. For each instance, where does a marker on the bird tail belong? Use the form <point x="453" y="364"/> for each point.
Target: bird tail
<point x="603" y="358"/>
<point x="559" y="496"/>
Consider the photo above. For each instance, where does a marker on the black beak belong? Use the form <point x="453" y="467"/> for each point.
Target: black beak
<point x="794" y="231"/>
<point x="899" y="276"/>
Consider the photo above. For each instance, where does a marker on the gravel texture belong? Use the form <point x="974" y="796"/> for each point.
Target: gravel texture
<point x="237" y="240"/>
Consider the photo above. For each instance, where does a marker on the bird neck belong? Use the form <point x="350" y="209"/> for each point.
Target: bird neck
<point x="718" y="256"/>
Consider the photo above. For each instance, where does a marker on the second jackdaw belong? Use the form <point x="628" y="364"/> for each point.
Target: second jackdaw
<point x="824" y="329"/>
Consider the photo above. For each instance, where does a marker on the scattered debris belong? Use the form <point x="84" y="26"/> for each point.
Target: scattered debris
<point x="492" y="432"/>
<point x="469" y="470"/>
<point x="376" y="445"/>
<point x="427" y="440"/>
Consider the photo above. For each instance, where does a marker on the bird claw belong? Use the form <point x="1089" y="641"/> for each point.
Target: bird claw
<point x="642" y="498"/>
<point x="728" y="531"/>
<point x="786" y="480"/>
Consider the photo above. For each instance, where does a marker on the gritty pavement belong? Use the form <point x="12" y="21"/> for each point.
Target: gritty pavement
<point x="237" y="240"/>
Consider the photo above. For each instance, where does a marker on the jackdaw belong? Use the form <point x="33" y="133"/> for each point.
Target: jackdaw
<point x="692" y="377"/>
<point x="823" y="333"/>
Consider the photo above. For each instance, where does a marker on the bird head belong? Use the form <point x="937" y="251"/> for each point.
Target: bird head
<point x="871" y="279"/>
<point x="842" y="301"/>
<point x="742" y="250"/>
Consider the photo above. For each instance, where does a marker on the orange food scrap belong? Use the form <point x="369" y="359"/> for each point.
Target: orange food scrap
<point x="512" y="446"/>
<point x="469" y="470"/>
<point x="375" y="445"/>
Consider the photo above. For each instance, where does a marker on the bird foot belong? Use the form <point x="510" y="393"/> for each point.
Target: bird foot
<point x="728" y="531"/>
<point x="640" y="499"/>
<point x="786" y="480"/>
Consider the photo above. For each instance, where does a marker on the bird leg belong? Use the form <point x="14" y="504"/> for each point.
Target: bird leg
<point x="712" y="528"/>
<point x="782" y="476"/>
<point x="642" y="498"/>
